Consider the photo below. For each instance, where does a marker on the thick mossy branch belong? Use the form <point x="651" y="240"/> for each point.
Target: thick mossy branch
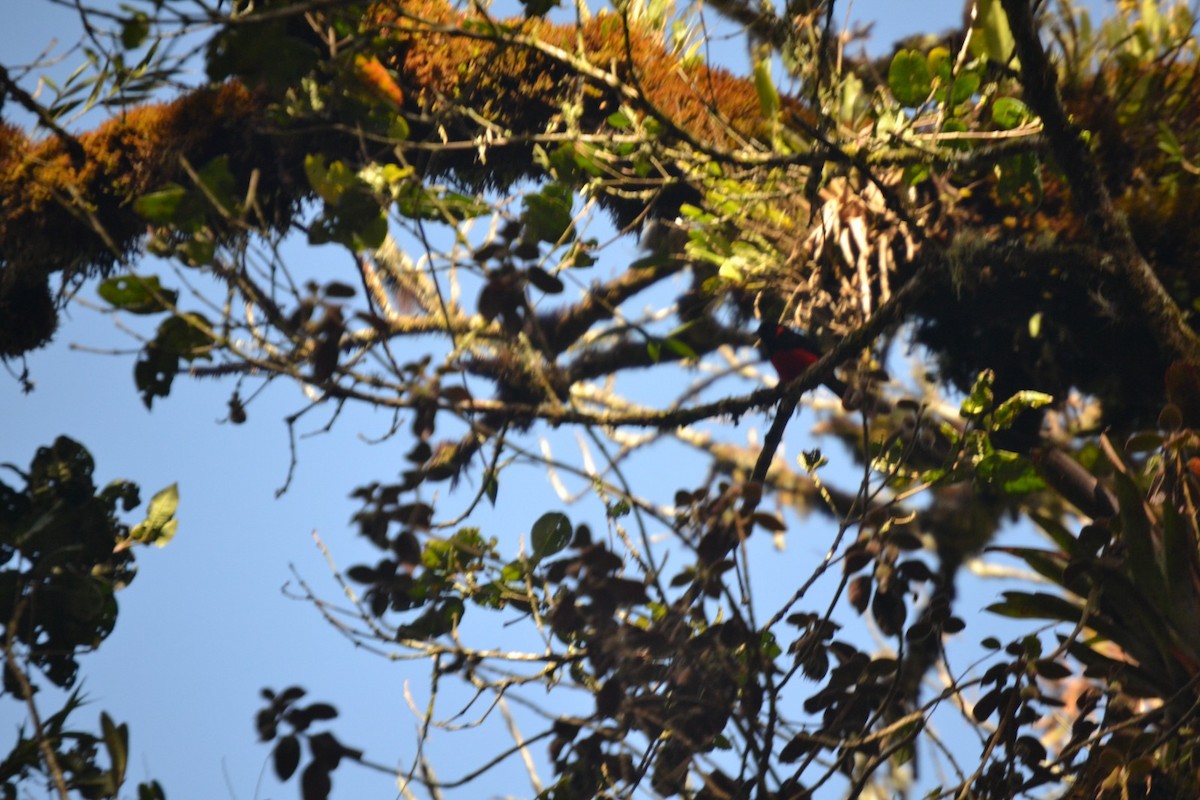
<point x="55" y="215"/>
<point x="460" y="75"/>
<point x="1088" y="191"/>
<point x="520" y="75"/>
<point x="61" y="213"/>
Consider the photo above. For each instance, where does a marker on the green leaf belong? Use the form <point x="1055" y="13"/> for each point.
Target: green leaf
<point x="398" y="130"/>
<point x="151" y="791"/>
<point x="185" y="336"/>
<point x="1010" y="472"/>
<point x="160" y="524"/>
<point x="1007" y="412"/>
<point x="764" y="85"/>
<point x="116" y="741"/>
<point x="137" y="294"/>
<point x="1036" y="605"/>
<point x="1136" y="534"/>
<point x="940" y="62"/>
<point x="1177" y="537"/>
<point x="550" y="534"/>
<point x="1144" y="442"/>
<point x="1057" y="532"/>
<point x="579" y="256"/>
<point x="1020" y="179"/>
<point x="416" y="201"/>
<point x="261" y="53"/>
<point x="680" y="348"/>
<point x="993" y="38"/>
<point x="544" y="281"/>
<point x="1009" y="113"/>
<point x="1047" y="563"/>
<point x="915" y="174"/>
<point x="965" y="85"/>
<point x="199" y="250"/>
<point x="330" y="181"/>
<point x="371" y="234"/>
<point x="620" y="120"/>
<point x="538" y="8"/>
<point x="980" y="400"/>
<point x="491" y="485"/>
<point x="547" y="214"/>
<point x="135" y="30"/>
<point x="160" y="207"/>
<point x="909" y="79"/>
<point x="217" y="179"/>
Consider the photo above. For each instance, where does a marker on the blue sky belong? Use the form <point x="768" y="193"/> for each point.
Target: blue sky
<point x="209" y="620"/>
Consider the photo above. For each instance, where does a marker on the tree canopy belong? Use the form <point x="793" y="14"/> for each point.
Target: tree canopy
<point x="575" y="219"/>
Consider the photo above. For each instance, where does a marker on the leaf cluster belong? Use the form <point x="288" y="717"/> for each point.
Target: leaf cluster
<point x="64" y="553"/>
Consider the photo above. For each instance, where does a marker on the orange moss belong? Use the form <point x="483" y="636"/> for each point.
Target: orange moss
<point x="512" y="81"/>
<point x="57" y="216"/>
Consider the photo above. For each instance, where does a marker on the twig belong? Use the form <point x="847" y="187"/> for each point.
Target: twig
<point x="14" y="669"/>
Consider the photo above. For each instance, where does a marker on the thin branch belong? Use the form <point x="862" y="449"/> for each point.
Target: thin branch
<point x="39" y="731"/>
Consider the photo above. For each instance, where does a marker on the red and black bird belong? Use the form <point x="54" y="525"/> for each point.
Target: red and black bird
<point x="791" y="353"/>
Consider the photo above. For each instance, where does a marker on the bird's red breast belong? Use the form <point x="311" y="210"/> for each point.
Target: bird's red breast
<point x="791" y="353"/>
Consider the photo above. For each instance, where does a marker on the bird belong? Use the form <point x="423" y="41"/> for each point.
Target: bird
<point x="791" y="353"/>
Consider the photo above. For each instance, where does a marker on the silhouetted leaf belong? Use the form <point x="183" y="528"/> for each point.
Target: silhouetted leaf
<point x="986" y="705"/>
<point x="116" y="741"/>
<point x="286" y="757"/>
<point x="1036" y="605"/>
<point x="889" y="613"/>
<point x="858" y="592"/>
<point x="544" y="281"/>
<point x="550" y="534"/>
<point x="1052" y="670"/>
<point x="315" y="783"/>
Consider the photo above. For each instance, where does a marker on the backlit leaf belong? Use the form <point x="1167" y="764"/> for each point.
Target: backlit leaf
<point x="138" y="294"/>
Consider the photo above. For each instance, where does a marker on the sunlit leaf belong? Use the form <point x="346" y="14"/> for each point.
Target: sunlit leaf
<point x="1007" y="412"/>
<point x="768" y="96"/>
<point x="993" y="38"/>
<point x="908" y="78"/>
<point x="981" y="398"/>
<point x="160" y="524"/>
